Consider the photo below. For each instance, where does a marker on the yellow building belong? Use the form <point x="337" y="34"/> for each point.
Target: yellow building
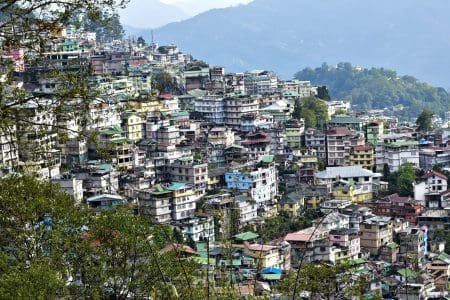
<point x="151" y="104"/>
<point x="362" y="156"/>
<point x="132" y="124"/>
<point x="348" y="190"/>
<point x="266" y="255"/>
<point x="292" y="204"/>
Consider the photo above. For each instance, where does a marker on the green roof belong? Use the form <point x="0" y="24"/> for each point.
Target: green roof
<point x="112" y="130"/>
<point x="403" y="143"/>
<point x="267" y="159"/>
<point x="105" y="167"/>
<point x="204" y="260"/>
<point x="271" y="276"/>
<point x="246" y="236"/>
<point x="444" y="256"/>
<point x="160" y="190"/>
<point x="407" y="273"/>
<point x="392" y="245"/>
<point x="359" y="261"/>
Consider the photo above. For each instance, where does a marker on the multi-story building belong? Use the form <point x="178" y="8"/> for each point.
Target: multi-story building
<point x="294" y="132"/>
<point x="429" y="189"/>
<point x="339" y="142"/>
<point x="346" y="239"/>
<point x="367" y="179"/>
<point x="260" y="82"/>
<point x="395" y="154"/>
<point x="183" y="201"/>
<point x="236" y="107"/>
<point x="315" y="139"/>
<point x="211" y="108"/>
<point x="190" y="171"/>
<point x="253" y="122"/>
<point x="374" y="233"/>
<point x="221" y="136"/>
<point x="156" y="203"/>
<point x="351" y="191"/>
<point x="350" y="122"/>
<point x="396" y="206"/>
<point x="362" y="156"/>
<point x="132" y="125"/>
<point x="198" y="229"/>
<point x="9" y="153"/>
<point x="374" y="131"/>
<point x="257" y="144"/>
<point x="71" y="185"/>
<point x="302" y="88"/>
<point x="432" y="156"/>
<point x="98" y="179"/>
<point x="259" y="180"/>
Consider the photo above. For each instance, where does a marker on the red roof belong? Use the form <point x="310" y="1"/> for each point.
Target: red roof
<point x="429" y="174"/>
<point x="165" y="96"/>
<point x="339" y="131"/>
<point x="178" y="247"/>
<point x="362" y="147"/>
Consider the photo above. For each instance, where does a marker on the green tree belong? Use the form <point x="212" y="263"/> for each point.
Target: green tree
<point x="424" y="121"/>
<point x="141" y="41"/>
<point x="322" y="93"/>
<point x="401" y="182"/>
<point x="386" y="172"/>
<point x="313" y="110"/>
<point x="163" y="82"/>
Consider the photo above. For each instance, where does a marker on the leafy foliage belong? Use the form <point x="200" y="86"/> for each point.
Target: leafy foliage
<point x="401" y="182"/>
<point x="50" y="248"/>
<point x="378" y="88"/>
<point x="424" y="121"/>
<point x="313" y="110"/>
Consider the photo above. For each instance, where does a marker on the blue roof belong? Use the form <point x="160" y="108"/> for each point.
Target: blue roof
<point x="177" y="186"/>
<point x="271" y="270"/>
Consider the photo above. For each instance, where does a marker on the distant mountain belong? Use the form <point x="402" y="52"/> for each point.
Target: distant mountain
<point x="410" y="36"/>
<point x="149" y="14"/>
<point x="378" y="88"/>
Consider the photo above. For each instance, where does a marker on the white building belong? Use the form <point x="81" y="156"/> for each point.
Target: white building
<point x="364" y="178"/>
<point x="211" y="107"/>
<point x="260" y="181"/>
<point x="236" y="107"/>
<point x="395" y="154"/>
<point x="70" y="185"/>
<point x="260" y="82"/>
<point x="199" y="229"/>
<point x="429" y="189"/>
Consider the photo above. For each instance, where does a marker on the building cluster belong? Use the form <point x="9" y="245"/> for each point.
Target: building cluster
<point x="216" y="154"/>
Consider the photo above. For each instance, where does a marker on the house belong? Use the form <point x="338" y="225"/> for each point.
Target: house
<point x="346" y="240"/>
<point x="339" y="143"/>
<point x="304" y="241"/>
<point x="183" y="201"/>
<point x="105" y="201"/>
<point x="432" y="156"/>
<point x="439" y="268"/>
<point x="389" y="252"/>
<point x="396" y="206"/>
<point x="257" y="144"/>
<point x="334" y="220"/>
<point x="71" y="185"/>
<point x="238" y="106"/>
<point x="349" y="191"/>
<point x="198" y="229"/>
<point x="347" y="121"/>
<point x="260" y="180"/>
<point x="428" y="190"/>
<point x="190" y="171"/>
<point x="315" y="139"/>
<point x="156" y="203"/>
<point x="363" y="156"/>
<point x="132" y="124"/>
<point x="397" y="153"/>
<point x="294" y="131"/>
<point x="368" y="180"/>
<point x="374" y="131"/>
<point x="375" y="232"/>
<point x="292" y="204"/>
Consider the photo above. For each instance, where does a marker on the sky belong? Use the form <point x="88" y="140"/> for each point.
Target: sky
<point x="156" y="13"/>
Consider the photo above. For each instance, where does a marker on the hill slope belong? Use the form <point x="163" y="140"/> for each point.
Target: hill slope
<point x="292" y="34"/>
<point x="378" y="89"/>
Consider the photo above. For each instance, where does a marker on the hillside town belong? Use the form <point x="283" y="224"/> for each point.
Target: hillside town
<point x="258" y="184"/>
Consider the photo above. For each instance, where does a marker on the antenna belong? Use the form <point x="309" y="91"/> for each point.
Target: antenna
<point x="153" y="37"/>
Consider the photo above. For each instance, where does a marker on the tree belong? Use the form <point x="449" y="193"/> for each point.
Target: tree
<point x="424" y="121"/>
<point x="163" y="82"/>
<point x="141" y="41"/>
<point x="401" y="182"/>
<point x="322" y="93"/>
<point x="386" y="172"/>
<point x="313" y="110"/>
<point x="50" y="247"/>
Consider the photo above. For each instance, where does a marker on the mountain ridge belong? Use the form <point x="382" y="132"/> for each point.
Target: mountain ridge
<point x="304" y="33"/>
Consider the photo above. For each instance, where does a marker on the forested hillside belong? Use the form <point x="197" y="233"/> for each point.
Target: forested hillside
<point x="378" y="88"/>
